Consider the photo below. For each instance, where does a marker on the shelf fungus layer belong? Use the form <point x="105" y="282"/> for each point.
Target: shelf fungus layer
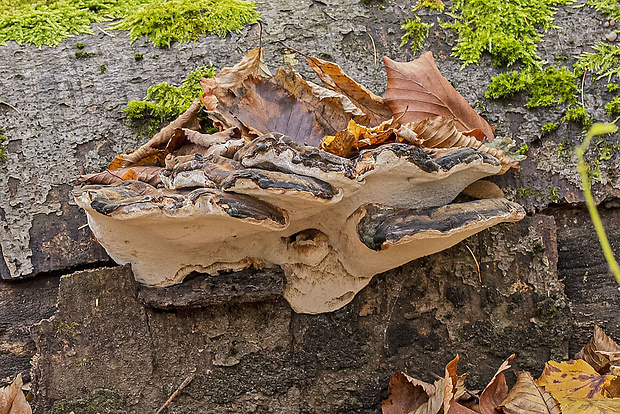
<point x="331" y="223"/>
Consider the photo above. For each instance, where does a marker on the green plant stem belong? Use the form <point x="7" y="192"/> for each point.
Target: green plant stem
<point x="597" y="129"/>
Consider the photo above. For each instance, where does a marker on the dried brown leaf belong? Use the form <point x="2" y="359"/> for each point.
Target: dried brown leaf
<point x="334" y="78"/>
<point x="483" y="189"/>
<point x="454" y="388"/>
<point x="146" y="174"/>
<point x="496" y="391"/>
<point x="357" y="137"/>
<point x="435" y="400"/>
<point x="287" y="104"/>
<point x="600" y="351"/>
<point x="405" y="394"/>
<point x="12" y="399"/>
<point x="528" y="398"/>
<point x="419" y="89"/>
<point x="441" y="132"/>
<point x="163" y="140"/>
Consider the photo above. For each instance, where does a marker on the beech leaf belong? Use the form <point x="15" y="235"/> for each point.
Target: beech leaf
<point x="496" y="391"/>
<point x="356" y="137"/>
<point x="454" y="388"/>
<point x="405" y="394"/>
<point x="416" y="90"/>
<point x="12" y="399"/>
<point x="526" y="397"/>
<point x="146" y="174"/>
<point x="590" y="406"/>
<point x="334" y="78"/>
<point x="600" y="351"/>
<point x="576" y="379"/>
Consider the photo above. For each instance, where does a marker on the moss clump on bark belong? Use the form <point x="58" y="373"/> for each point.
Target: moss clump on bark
<point x="545" y="87"/>
<point x="164" y="102"/>
<point x="578" y="115"/>
<point x="48" y="22"/>
<point x="508" y="29"/>
<point x="415" y="33"/>
<point x="3" y="138"/>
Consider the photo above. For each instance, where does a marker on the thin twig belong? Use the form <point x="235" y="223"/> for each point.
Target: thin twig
<point x="83" y="226"/>
<point x="295" y="50"/>
<point x="583" y="81"/>
<point x="106" y="33"/>
<point x="374" y="47"/>
<point x="477" y="264"/>
<point x="260" y="35"/>
<point x="178" y="391"/>
<point x="10" y="106"/>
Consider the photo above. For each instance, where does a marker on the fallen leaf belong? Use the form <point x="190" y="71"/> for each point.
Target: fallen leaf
<point x="454" y="388"/>
<point x="146" y="174"/>
<point x="600" y="351"/>
<point x="12" y="399"/>
<point x="286" y="104"/>
<point x="334" y="78"/>
<point x="590" y="406"/>
<point x="357" y="137"/>
<point x="496" y="391"/>
<point x="576" y="379"/>
<point x="417" y="90"/>
<point x="406" y="394"/>
<point x="441" y="132"/>
<point x="483" y="189"/>
<point x="435" y="400"/>
<point x="526" y="397"/>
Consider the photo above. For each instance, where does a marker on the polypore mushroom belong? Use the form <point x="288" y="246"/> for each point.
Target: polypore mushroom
<point x="330" y="222"/>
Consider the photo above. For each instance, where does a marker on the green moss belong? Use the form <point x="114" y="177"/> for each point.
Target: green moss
<point x="165" y="22"/>
<point x="325" y="56"/>
<point x="508" y="29"/>
<point x="3" y="139"/>
<point x="48" y="22"/>
<point x="613" y="107"/>
<point x="80" y="54"/>
<point x="164" y="102"/>
<point x="545" y="87"/>
<point x="430" y="4"/>
<point x="610" y="8"/>
<point x="100" y="401"/>
<point x="549" y="127"/>
<point x="528" y="192"/>
<point x="561" y="57"/>
<point x="523" y="149"/>
<point x="102" y="69"/>
<point x="612" y="87"/>
<point x="604" y="149"/>
<point x="605" y="62"/>
<point x="415" y="33"/>
<point x="65" y="328"/>
<point x="553" y="196"/>
<point x="578" y="115"/>
<point x="138" y="56"/>
<point x="79" y="45"/>
<point x="565" y="153"/>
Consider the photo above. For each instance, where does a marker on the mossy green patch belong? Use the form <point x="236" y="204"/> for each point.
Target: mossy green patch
<point x="508" y="29"/>
<point x="613" y="107"/>
<point x="523" y="149"/>
<point x="165" y="22"/>
<point x="565" y="152"/>
<point x="48" y="22"/>
<point x="415" y="33"/>
<point x="578" y="115"/>
<point x="610" y="8"/>
<point x="430" y="4"/>
<point x="549" y="127"/>
<point x="605" y="62"/>
<point x="612" y="87"/>
<point x="163" y="102"/>
<point x="3" y="139"/>
<point x="545" y="87"/>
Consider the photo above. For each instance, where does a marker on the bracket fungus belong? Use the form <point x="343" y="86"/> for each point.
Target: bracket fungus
<point x="296" y="177"/>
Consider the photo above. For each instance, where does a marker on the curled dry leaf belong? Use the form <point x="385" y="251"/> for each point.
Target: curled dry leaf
<point x="146" y="174"/>
<point x="577" y="379"/>
<point x="454" y="388"/>
<point x="12" y="399"/>
<point x="496" y="391"/>
<point x="406" y="394"/>
<point x="334" y="78"/>
<point x="441" y="132"/>
<point x="357" y="137"/>
<point x="162" y="143"/>
<point x="526" y="397"/>
<point x="600" y="351"/>
<point x="417" y="90"/>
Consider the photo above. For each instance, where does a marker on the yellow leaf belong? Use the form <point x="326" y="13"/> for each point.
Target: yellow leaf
<point x="590" y="406"/>
<point x="575" y="379"/>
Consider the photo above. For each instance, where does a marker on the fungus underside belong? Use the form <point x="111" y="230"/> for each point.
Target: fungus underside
<point x="42" y="22"/>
